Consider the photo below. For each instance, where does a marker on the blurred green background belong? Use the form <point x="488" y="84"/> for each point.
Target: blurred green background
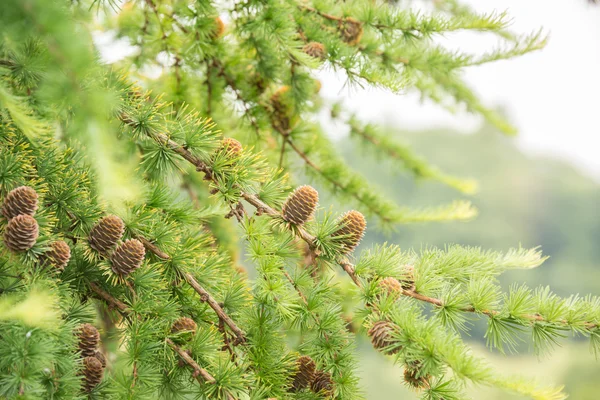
<point x="523" y="199"/>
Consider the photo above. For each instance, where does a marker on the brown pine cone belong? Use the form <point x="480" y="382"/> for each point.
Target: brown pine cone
<point x="106" y="233"/>
<point x="231" y="146"/>
<point x="381" y="336"/>
<point x="322" y="383"/>
<point x="92" y="373"/>
<point x="127" y="257"/>
<point x="391" y="286"/>
<point x="219" y="28"/>
<point x="58" y="255"/>
<point x="21" y="200"/>
<point x="352" y="228"/>
<point x="315" y="49"/>
<point x="351" y="30"/>
<point x="305" y="373"/>
<point x="21" y="233"/>
<point x="184" y="324"/>
<point x="185" y="328"/>
<point x="282" y="110"/>
<point x="89" y="338"/>
<point x="300" y="206"/>
<point x="100" y="357"/>
<point x="414" y="379"/>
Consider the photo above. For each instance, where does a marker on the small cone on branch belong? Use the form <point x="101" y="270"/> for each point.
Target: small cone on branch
<point x="58" y="255"/>
<point x="127" y="257"/>
<point x="408" y="283"/>
<point x="322" y="383"/>
<point x="92" y="373"/>
<point x="391" y="286"/>
<point x="106" y="233"/>
<point x="413" y="379"/>
<point x="315" y="49"/>
<point x="351" y="30"/>
<point x="352" y="229"/>
<point x="381" y="336"/>
<point x="100" y="357"/>
<point x="21" y="200"/>
<point x="219" y="28"/>
<point x="318" y="86"/>
<point x="185" y="328"/>
<point x="232" y="146"/>
<point x="300" y="206"/>
<point x="305" y="373"/>
<point x="89" y="338"/>
<point x="21" y="233"/>
<point x="282" y="110"/>
<point x="184" y="324"/>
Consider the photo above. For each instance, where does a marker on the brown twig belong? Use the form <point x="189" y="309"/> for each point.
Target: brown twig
<point x="119" y="305"/>
<point x="204" y="295"/>
<point x="199" y="373"/>
<point x="208" y="299"/>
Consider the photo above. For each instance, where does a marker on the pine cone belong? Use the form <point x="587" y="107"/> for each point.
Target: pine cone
<point x="381" y="336"/>
<point x="305" y="373"/>
<point x="21" y="200"/>
<point x="184" y="324"/>
<point x="92" y="373"/>
<point x="106" y="233"/>
<point x="318" y="86"/>
<point x="100" y="357"/>
<point x="232" y="146"/>
<point x="58" y="255"/>
<point x="219" y="28"/>
<point x="408" y="283"/>
<point x="351" y="31"/>
<point x="127" y="257"/>
<point x="21" y="233"/>
<point x="353" y="226"/>
<point x="391" y="286"/>
<point x="414" y="379"/>
<point x="322" y="383"/>
<point x="185" y="328"/>
<point x="315" y="49"/>
<point x="300" y="206"/>
<point x="89" y="338"/>
<point x="282" y="111"/>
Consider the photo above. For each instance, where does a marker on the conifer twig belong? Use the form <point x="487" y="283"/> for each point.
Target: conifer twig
<point x="119" y="305"/>
<point x="199" y="373"/>
<point x="207" y="298"/>
<point x="204" y="295"/>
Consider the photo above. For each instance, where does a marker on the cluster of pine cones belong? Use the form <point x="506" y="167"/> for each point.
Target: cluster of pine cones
<point x="22" y="230"/>
<point x="301" y="205"/>
<point x="94" y="361"/>
<point x="307" y="376"/>
<point x="106" y="235"/>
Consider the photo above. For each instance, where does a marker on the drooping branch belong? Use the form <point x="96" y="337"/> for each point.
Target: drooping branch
<point x="301" y="233"/>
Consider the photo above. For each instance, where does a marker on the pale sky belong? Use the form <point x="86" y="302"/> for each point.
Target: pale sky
<point x="552" y="96"/>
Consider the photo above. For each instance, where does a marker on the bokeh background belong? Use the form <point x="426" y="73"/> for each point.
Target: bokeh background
<point x="540" y="188"/>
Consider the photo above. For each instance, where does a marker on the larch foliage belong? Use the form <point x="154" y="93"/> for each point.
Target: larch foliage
<point x="129" y="183"/>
